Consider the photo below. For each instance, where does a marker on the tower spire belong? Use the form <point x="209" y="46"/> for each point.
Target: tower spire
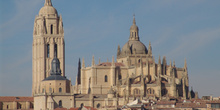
<point x="159" y="61"/>
<point x="149" y="49"/>
<point x="48" y="3"/>
<point x="134" y="22"/>
<point x="93" y="61"/>
<point x="113" y="61"/>
<point x="185" y="64"/>
<point x="118" y="51"/>
<point x="83" y="63"/>
<point x="79" y="72"/>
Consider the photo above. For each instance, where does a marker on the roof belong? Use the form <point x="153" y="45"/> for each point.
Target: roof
<point x="55" y="77"/>
<point x="135" y="47"/>
<point x="60" y="109"/>
<point x="213" y="101"/>
<point x="16" y="99"/>
<point x="86" y="107"/>
<point x="87" y="96"/>
<point x="110" y="64"/>
<point x="166" y="102"/>
<point x="191" y="105"/>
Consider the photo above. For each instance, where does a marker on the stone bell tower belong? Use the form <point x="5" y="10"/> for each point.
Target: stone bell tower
<point x="48" y="41"/>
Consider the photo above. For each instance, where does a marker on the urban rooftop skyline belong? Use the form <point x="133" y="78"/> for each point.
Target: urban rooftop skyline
<point x="178" y="30"/>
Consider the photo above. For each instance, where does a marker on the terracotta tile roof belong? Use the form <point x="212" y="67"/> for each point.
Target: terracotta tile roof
<point x="91" y="108"/>
<point x="213" y="101"/>
<point x="110" y="64"/>
<point x="165" y="109"/>
<point x="74" y="108"/>
<point x="16" y="99"/>
<point x="60" y="109"/>
<point x="87" y="107"/>
<point x="191" y="105"/>
<point x="166" y="102"/>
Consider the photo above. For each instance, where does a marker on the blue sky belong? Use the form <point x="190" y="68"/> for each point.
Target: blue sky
<point x="177" y="29"/>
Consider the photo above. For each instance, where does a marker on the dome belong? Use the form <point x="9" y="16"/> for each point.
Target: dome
<point x="134" y="45"/>
<point x="48" y="10"/>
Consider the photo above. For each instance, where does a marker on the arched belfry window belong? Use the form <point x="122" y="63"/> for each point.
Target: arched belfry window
<point x="51" y="29"/>
<point x="106" y="78"/>
<point x="55" y="50"/>
<point x="60" y="103"/>
<point x="48" y="50"/>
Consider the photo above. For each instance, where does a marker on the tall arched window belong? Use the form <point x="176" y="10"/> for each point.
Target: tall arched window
<point x="48" y="50"/>
<point x="60" y="103"/>
<point x="60" y="89"/>
<point x="51" y="29"/>
<point x="7" y="107"/>
<point x="150" y="91"/>
<point x="164" y="92"/>
<point x="81" y="105"/>
<point x="106" y="78"/>
<point x="98" y="105"/>
<point x="50" y="90"/>
<point x="43" y="90"/>
<point x="136" y="92"/>
<point x="119" y="77"/>
<point x="55" y="50"/>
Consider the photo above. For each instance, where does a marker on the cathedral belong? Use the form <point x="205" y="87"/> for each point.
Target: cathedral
<point x="133" y="75"/>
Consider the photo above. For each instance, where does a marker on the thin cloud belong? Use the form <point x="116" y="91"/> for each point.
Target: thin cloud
<point x="197" y="40"/>
<point x="24" y="13"/>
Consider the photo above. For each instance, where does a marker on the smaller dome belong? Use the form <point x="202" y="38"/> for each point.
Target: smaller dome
<point x="55" y="66"/>
<point x="48" y="10"/>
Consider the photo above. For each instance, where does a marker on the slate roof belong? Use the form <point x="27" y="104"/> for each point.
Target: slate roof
<point x="55" y="77"/>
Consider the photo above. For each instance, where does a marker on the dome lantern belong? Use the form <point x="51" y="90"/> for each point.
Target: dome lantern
<point x="48" y="9"/>
<point x="134" y="35"/>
